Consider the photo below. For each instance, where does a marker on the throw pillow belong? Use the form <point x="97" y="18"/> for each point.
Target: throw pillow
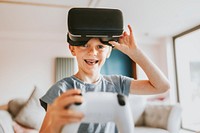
<point x="157" y="116"/>
<point x="20" y="129"/>
<point x="32" y="114"/>
<point x="15" y="105"/>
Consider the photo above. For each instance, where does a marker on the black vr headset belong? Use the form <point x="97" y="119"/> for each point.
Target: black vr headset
<point x="87" y="23"/>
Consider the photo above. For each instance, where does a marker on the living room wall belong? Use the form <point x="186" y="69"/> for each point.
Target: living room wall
<point x="30" y="44"/>
<point x="26" y="62"/>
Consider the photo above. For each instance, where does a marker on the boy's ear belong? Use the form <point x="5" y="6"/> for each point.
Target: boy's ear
<point x="71" y="48"/>
<point x="109" y="52"/>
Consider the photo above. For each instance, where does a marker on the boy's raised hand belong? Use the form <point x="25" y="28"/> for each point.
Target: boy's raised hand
<point x="127" y="43"/>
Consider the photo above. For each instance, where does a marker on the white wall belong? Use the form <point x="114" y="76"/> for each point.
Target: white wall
<point x="157" y="53"/>
<point x="28" y="61"/>
<point x="162" y="55"/>
<point x="30" y="40"/>
<point x="31" y="37"/>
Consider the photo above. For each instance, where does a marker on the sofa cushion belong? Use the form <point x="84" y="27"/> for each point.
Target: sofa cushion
<point x="5" y="122"/>
<point x="15" y="105"/>
<point x="32" y="114"/>
<point x="149" y="130"/>
<point x="157" y="116"/>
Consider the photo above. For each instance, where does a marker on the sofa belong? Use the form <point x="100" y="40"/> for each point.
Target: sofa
<point x="155" y="117"/>
<point x="26" y="115"/>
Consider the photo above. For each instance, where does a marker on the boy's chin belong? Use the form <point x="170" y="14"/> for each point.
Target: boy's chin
<point x="95" y="70"/>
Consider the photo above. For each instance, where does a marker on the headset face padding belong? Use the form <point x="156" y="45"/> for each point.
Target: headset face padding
<point x="79" y="41"/>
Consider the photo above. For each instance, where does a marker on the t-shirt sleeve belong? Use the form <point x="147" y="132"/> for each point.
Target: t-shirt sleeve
<point x="51" y="95"/>
<point x="125" y="84"/>
<point x="121" y="83"/>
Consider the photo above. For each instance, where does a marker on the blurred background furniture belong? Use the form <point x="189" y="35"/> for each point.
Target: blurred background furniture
<point x="155" y="117"/>
<point x="26" y="115"/>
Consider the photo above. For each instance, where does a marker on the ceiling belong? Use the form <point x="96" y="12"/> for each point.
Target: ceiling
<point x="152" y="20"/>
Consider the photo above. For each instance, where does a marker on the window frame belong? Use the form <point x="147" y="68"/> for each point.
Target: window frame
<point x="176" y="68"/>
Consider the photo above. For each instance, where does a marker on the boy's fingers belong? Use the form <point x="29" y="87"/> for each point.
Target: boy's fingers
<point x="69" y="120"/>
<point x="66" y="117"/>
<point x="71" y="100"/>
<point x="115" y="44"/>
<point x="67" y="98"/>
<point x="130" y="29"/>
<point x="70" y="92"/>
<point x="67" y="101"/>
<point x="73" y="114"/>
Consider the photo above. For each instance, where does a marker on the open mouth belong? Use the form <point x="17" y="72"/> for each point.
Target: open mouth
<point x="91" y="61"/>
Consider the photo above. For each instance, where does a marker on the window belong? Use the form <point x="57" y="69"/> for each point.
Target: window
<point x="187" y="60"/>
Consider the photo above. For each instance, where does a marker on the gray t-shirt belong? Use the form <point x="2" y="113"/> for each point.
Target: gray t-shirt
<point x="111" y="83"/>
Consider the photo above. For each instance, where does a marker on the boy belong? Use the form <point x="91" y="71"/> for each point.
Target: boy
<point x="90" y="58"/>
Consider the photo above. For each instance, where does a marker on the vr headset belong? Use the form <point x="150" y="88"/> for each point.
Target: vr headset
<point x="87" y="23"/>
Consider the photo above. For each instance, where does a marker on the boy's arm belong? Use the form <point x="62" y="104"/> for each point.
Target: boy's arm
<point x="47" y="124"/>
<point x="157" y="82"/>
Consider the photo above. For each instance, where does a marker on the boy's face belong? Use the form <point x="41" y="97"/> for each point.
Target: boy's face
<point x="91" y="56"/>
